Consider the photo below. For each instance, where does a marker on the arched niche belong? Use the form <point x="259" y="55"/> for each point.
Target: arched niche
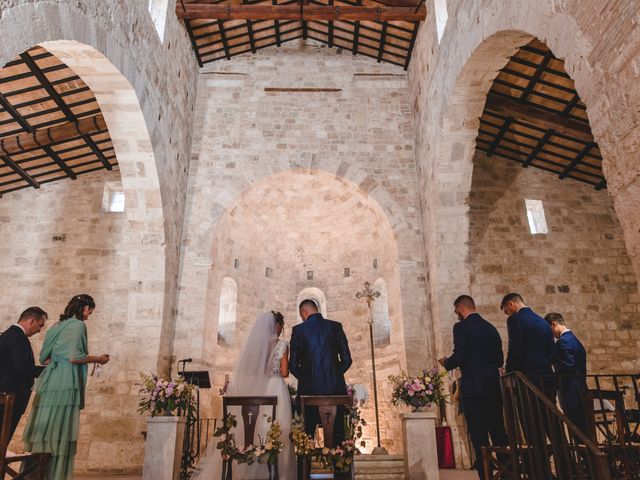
<point x="227" y="313"/>
<point x="315" y="294"/>
<point x="380" y="315"/>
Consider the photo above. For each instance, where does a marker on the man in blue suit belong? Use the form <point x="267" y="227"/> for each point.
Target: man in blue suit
<point x="319" y="357"/>
<point x="531" y="347"/>
<point x="477" y="351"/>
<point x="570" y="364"/>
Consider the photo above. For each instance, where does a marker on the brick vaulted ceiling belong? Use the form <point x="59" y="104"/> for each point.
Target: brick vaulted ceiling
<point x="51" y="127"/>
<point x="534" y="116"/>
<point x="381" y="29"/>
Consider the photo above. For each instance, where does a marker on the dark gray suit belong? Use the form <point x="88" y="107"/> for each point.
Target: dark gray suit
<point x="17" y="370"/>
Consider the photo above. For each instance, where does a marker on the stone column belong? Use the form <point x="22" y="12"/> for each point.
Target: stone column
<point x="163" y="448"/>
<point x="420" y="450"/>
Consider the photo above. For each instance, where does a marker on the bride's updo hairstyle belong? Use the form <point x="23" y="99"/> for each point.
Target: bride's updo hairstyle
<point x="279" y="318"/>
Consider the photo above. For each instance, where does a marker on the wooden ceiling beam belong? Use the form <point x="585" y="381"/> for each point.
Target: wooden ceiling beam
<point x="45" y="137"/>
<point x="227" y="11"/>
<point x="46" y="84"/>
<point x="20" y="171"/>
<point x="97" y="152"/>
<point x="511" y="107"/>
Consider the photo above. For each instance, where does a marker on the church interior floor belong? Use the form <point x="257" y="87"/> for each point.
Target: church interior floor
<point x="458" y="475"/>
<point x="444" y="475"/>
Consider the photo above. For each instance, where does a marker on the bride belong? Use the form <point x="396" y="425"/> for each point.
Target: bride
<point x="260" y="371"/>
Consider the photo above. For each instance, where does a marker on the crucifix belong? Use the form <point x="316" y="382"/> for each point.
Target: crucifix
<point x="370" y="296"/>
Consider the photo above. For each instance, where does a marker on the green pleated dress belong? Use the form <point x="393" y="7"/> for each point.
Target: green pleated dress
<point x="59" y="396"/>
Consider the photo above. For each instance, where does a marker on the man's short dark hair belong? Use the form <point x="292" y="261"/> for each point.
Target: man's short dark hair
<point x="510" y="297"/>
<point x="308" y="302"/>
<point x="464" y="300"/>
<point x="554" y="317"/>
<point x="33" y="312"/>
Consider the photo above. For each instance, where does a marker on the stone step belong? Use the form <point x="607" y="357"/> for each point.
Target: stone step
<point x="379" y="464"/>
<point x="379" y="467"/>
<point x="376" y="458"/>
<point x="380" y="476"/>
<point x="366" y="471"/>
<point x="370" y="467"/>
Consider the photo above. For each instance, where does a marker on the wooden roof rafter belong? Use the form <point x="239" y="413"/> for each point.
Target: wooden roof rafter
<point x="533" y="115"/>
<point x="51" y="126"/>
<point x="381" y="29"/>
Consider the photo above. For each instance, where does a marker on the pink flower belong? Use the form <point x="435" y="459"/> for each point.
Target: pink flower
<point x="411" y="393"/>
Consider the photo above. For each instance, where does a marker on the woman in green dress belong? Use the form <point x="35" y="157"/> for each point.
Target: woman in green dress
<point x="59" y="396"/>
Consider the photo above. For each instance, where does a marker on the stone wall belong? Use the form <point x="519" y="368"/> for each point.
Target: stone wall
<point x="449" y="81"/>
<point x="580" y="268"/>
<point x="57" y="243"/>
<point x="354" y="131"/>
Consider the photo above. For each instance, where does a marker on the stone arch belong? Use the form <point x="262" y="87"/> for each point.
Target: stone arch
<point x="120" y="261"/>
<point x="269" y="238"/>
<point x="491" y="32"/>
<point x="107" y="28"/>
<point x="316" y="295"/>
<point x="451" y="81"/>
<point x="207" y="210"/>
<point x="136" y="161"/>
<point x="200" y="260"/>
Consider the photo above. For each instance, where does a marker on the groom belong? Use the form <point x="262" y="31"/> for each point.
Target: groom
<point x="319" y="359"/>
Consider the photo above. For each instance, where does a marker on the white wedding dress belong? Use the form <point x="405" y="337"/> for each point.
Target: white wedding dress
<point x="257" y="373"/>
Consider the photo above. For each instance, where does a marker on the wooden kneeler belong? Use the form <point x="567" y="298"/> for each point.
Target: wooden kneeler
<point x="250" y="408"/>
<point x="327" y="409"/>
<point x="36" y="463"/>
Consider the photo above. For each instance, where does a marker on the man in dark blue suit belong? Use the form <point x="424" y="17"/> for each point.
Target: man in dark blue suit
<point x="531" y="347"/>
<point x="570" y="364"/>
<point x="477" y="351"/>
<point x="17" y="364"/>
<point x="319" y="357"/>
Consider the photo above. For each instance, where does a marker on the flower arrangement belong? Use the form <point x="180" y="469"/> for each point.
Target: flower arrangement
<point x="340" y="457"/>
<point x="293" y="395"/>
<point x="420" y="391"/>
<point x="266" y="452"/>
<point x="158" y="396"/>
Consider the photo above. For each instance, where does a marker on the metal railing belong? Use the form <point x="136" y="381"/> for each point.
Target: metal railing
<point x="198" y="436"/>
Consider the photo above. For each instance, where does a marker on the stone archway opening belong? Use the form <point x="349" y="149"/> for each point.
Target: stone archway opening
<point x="477" y="197"/>
<point x="535" y="147"/>
<point x="73" y="241"/>
<point x="300" y="234"/>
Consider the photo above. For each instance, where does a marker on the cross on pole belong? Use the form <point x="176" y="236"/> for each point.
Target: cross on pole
<point x="370" y="297"/>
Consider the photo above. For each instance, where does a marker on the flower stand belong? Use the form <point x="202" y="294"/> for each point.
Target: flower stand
<point x="421" y="454"/>
<point x="163" y="448"/>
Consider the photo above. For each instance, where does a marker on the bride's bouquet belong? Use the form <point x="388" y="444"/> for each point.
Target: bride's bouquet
<point x="418" y="391"/>
<point x="163" y="397"/>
